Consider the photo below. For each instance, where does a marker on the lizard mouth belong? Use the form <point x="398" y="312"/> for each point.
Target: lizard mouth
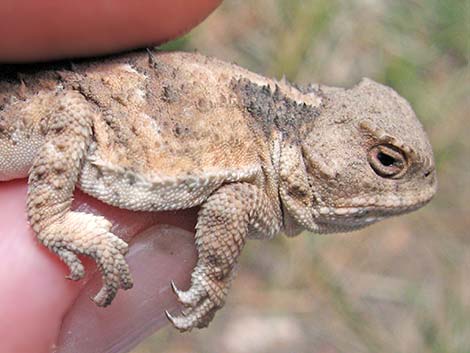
<point x="350" y="218"/>
<point x="348" y="223"/>
<point x="359" y="212"/>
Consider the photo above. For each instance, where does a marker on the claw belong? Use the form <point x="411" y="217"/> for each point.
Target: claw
<point x="169" y="317"/>
<point x="178" y="322"/>
<point x="179" y="293"/>
<point x="187" y="298"/>
<point x="103" y="298"/>
<point x="99" y="302"/>
<point x="174" y="288"/>
<point x="72" y="277"/>
<point x="200" y="301"/>
<point x="76" y="273"/>
<point x="193" y="317"/>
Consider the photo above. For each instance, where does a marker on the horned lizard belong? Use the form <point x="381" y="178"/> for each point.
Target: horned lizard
<point x="161" y="131"/>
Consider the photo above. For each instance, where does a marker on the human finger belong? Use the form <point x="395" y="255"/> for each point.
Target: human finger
<point x="47" y="29"/>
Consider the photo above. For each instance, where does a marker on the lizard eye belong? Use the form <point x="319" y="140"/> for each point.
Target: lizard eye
<point x="387" y="161"/>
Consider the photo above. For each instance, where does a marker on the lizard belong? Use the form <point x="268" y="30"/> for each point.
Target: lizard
<point x="156" y="131"/>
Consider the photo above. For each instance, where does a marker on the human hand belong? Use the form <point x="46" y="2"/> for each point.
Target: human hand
<point x="41" y="311"/>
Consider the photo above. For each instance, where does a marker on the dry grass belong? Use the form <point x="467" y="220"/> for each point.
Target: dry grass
<point x="399" y="286"/>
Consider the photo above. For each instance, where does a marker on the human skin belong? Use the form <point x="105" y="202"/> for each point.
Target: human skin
<point x="53" y="29"/>
<point x="40" y="310"/>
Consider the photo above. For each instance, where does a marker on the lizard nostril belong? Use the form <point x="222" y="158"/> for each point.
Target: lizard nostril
<point x="428" y="172"/>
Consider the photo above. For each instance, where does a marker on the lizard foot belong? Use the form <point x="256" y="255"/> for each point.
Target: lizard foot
<point x="81" y="233"/>
<point x="206" y="296"/>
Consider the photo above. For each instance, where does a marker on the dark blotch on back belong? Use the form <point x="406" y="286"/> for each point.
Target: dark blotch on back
<point x="273" y="108"/>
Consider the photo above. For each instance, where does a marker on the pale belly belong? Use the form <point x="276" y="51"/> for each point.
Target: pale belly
<point x="156" y="191"/>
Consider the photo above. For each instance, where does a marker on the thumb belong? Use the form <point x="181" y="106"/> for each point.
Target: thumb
<point x="41" y="311"/>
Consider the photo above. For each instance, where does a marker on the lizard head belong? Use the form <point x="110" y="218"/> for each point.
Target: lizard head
<point x="367" y="157"/>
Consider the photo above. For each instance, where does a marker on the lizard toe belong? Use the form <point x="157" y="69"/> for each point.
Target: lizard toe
<point x="190" y="297"/>
<point x="76" y="268"/>
<point x="198" y="316"/>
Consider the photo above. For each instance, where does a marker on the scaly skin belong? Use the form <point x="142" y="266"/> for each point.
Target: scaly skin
<point x="168" y="131"/>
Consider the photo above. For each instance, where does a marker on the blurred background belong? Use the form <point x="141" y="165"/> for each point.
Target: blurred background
<point x="402" y="285"/>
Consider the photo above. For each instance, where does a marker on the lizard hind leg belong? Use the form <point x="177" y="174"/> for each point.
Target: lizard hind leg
<point x="52" y="180"/>
<point x="226" y="219"/>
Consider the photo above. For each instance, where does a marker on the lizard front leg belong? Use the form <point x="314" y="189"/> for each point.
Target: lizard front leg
<point x="52" y="181"/>
<point x="225" y="220"/>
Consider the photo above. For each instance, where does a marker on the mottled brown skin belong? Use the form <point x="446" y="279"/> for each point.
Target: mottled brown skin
<point x="167" y="131"/>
